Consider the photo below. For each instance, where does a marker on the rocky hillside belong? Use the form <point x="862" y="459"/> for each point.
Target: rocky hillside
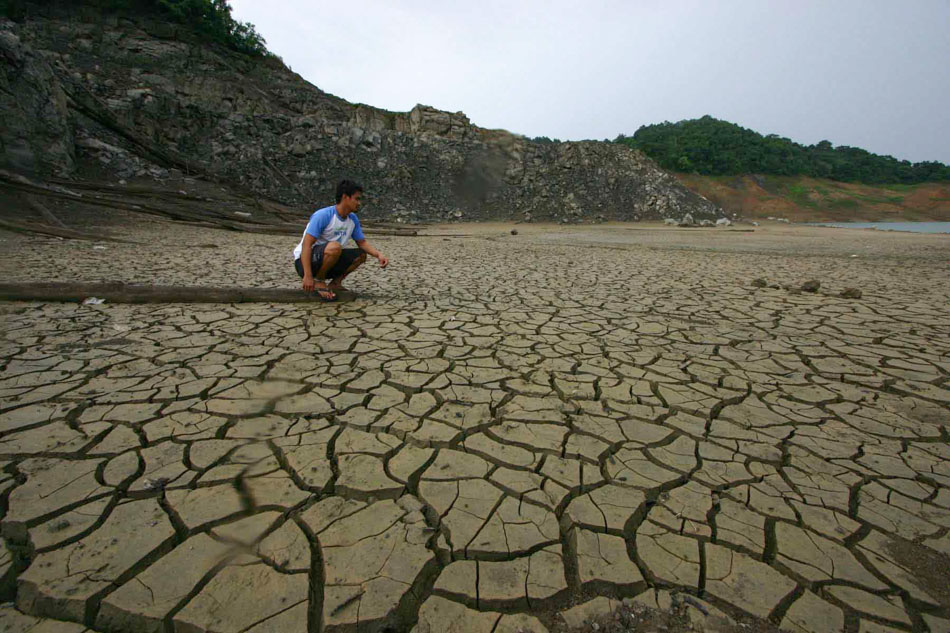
<point x="803" y="199"/>
<point x="132" y="98"/>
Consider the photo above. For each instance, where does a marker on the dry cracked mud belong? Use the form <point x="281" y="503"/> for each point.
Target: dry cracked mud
<point x="502" y="433"/>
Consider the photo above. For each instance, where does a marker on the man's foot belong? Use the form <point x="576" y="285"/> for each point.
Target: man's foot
<point x="324" y="292"/>
<point x="336" y="286"/>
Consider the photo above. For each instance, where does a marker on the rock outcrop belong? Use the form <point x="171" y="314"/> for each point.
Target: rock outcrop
<point x="143" y="99"/>
<point x="35" y="136"/>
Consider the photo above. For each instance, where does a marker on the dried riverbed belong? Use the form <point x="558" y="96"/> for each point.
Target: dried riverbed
<point x="503" y="432"/>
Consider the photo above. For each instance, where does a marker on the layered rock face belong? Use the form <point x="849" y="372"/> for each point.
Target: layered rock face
<point x="144" y="98"/>
<point x="35" y="136"/>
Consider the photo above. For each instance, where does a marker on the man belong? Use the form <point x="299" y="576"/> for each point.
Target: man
<point x="320" y="254"/>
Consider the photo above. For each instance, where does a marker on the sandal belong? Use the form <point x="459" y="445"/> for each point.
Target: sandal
<point x="324" y="293"/>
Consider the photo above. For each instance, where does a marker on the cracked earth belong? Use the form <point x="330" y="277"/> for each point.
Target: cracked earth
<point x="501" y="433"/>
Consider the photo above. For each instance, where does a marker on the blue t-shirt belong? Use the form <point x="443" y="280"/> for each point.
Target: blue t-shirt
<point x="326" y="225"/>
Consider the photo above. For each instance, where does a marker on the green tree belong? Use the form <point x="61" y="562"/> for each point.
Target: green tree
<point x="213" y="19"/>
<point x="710" y="146"/>
<point x="209" y="19"/>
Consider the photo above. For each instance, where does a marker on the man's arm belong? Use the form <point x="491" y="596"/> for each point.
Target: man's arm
<point x="368" y="248"/>
<point x="306" y="259"/>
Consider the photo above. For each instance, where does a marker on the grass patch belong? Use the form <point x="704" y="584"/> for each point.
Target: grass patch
<point x="799" y="195"/>
<point x="878" y="199"/>
<point x="899" y="187"/>
<point x="843" y="203"/>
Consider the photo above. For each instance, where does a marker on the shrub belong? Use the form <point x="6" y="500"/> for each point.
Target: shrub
<point x="209" y="19"/>
<point x="212" y="18"/>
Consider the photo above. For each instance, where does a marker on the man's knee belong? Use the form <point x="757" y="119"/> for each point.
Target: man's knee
<point x="333" y="249"/>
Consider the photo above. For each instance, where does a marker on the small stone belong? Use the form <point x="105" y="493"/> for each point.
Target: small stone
<point x="760" y="283"/>
<point x="514" y="231"/>
<point x="851" y="293"/>
<point x="155" y="484"/>
<point x="811" y="285"/>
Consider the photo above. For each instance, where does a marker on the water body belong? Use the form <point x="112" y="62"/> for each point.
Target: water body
<point x="912" y="227"/>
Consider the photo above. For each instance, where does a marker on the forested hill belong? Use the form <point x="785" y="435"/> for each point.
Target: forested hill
<point x="712" y="147"/>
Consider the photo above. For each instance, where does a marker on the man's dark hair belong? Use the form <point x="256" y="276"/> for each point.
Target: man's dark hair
<point x="347" y="188"/>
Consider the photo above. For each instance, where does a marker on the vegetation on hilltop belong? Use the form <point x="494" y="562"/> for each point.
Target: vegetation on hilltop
<point x="209" y="19"/>
<point x="807" y="199"/>
<point x="712" y="147"/>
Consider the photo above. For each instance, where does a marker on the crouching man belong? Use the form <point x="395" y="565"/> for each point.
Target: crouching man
<point x="320" y="255"/>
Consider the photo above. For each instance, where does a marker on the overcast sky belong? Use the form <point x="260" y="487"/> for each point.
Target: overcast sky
<point x="867" y="73"/>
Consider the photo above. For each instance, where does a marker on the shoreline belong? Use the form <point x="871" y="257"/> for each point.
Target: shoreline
<point x="885" y="226"/>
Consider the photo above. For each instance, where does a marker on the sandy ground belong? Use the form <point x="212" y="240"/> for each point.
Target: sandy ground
<point x="501" y="433"/>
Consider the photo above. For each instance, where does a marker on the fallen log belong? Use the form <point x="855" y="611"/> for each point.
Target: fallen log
<point x="45" y="213"/>
<point x="86" y="103"/>
<point x="53" y="231"/>
<point x="391" y="233"/>
<point x="395" y="226"/>
<point x="117" y="292"/>
<point x="142" y="200"/>
<point x="274" y="169"/>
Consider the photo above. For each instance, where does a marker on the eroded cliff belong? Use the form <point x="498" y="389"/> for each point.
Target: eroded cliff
<point x="104" y="97"/>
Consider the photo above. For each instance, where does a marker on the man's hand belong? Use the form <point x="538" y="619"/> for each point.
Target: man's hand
<point x="383" y="261"/>
<point x="308" y="284"/>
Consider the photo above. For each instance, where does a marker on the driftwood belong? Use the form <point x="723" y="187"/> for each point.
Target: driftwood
<point x="274" y="169"/>
<point x="45" y="213"/>
<point x="193" y="209"/>
<point x="114" y="199"/>
<point x="89" y="105"/>
<point x="284" y="213"/>
<point x="55" y="231"/>
<point x="133" y="293"/>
